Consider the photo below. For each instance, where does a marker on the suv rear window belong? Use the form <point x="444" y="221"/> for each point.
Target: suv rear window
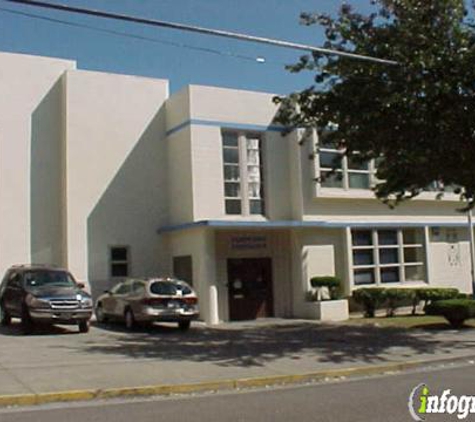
<point x="163" y="288"/>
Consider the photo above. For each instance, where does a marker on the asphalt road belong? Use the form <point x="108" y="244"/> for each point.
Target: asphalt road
<point x="382" y="398"/>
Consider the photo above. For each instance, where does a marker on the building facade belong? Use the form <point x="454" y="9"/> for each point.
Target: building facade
<point x="112" y="177"/>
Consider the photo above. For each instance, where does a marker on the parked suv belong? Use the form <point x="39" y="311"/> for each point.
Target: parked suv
<point x="43" y="294"/>
<point x="147" y="300"/>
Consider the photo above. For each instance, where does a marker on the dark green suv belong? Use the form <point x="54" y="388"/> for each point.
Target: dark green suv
<point x="43" y="295"/>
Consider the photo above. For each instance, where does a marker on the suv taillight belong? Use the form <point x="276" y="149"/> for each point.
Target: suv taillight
<point x="190" y="300"/>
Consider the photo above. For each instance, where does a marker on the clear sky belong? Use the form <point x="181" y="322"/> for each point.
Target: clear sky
<point x="169" y="55"/>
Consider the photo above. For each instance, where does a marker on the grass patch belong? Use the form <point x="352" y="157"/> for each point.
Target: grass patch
<point x="409" y="321"/>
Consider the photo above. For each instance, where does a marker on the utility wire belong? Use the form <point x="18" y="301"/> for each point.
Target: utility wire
<point x="140" y="37"/>
<point x="201" y="30"/>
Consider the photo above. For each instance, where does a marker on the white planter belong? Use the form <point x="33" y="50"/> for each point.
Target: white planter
<point x="327" y="310"/>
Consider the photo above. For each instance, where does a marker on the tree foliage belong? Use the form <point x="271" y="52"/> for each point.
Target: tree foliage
<point x="417" y="117"/>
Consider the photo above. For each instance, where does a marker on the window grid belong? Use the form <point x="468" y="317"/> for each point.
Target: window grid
<point x="387" y="267"/>
<point x="346" y="174"/>
<point x="119" y="258"/>
<point x="243" y="177"/>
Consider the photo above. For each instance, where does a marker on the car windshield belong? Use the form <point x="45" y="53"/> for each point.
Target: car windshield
<point x="40" y="278"/>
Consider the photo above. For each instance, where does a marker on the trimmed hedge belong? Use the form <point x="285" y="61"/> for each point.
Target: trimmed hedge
<point x="333" y="284"/>
<point x="397" y="297"/>
<point x="455" y="311"/>
<point x="372" y="298"/>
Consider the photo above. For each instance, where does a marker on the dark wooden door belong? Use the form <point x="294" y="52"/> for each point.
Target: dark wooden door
<point x="250" y="288"/>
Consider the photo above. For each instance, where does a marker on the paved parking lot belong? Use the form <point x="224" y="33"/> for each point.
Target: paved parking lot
<point x="60" y="359"/>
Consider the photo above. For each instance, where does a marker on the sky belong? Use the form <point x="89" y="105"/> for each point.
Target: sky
<point x="175" y="55"/>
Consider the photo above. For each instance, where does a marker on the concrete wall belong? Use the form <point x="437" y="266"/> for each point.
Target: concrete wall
<point x="31" y="142"/>
<point x="116" y="171"/>
<point x="198" y="243"/>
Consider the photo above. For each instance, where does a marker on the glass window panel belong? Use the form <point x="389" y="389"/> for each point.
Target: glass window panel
<point x="387" y="237"/>
<point x="412" y="236"/>
<point x="232" y="190"/>
<point x="233" y="206"/>
<point x="230" y="139"/>
<point x="363" y="277"/>
<point x="119" y="270"/>
<point x="388" y="256"/>
<point x="331" y="180"/>
<point x="231" y="155"/>
<point x="253" y="157"/>
<point x="256" y="206"/>
<point x="363" y="257"/>
<point x="362" y="237"/>
<point x="253" y="173"/>
<point x="330" y="159"/>
<point x="414" y="273"/>
<point x="354" y="164"/>
<point x="252" y="143"/>
<point x="231" y="172"/>
<point x="390" y="275"/>
<point x="358" y="180"/>
<point x="413" y="254"/>
<point x="254" y="190"/>
<point x="119" y="254"/>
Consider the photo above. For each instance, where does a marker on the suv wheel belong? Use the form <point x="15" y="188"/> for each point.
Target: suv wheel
<point x="129" y="319"/>
<point x="26" y="321"/>
<point x="184" y="325"/>
<point x="83" y="326"/>
<point x="5" y="318"/>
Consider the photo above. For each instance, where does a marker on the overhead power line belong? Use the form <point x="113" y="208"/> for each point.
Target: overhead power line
<point x="257" y="59"/>
<point x="201" y="30"/>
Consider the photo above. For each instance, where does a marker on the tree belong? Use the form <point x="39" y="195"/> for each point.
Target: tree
<point x="416" y="117"/>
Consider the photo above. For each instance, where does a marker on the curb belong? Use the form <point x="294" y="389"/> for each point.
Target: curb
<point x="209" y="386"/>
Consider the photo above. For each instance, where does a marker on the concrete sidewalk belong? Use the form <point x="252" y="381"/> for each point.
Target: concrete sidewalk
<point x="59" y="364"/>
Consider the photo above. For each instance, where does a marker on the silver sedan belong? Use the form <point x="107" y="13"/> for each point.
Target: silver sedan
<point x="136" y="301"/>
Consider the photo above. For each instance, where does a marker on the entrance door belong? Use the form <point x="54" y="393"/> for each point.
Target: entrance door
<point x="250" y="288"/>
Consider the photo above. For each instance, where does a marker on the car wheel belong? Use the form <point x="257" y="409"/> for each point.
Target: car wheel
<point x="26" y="321"/>
<point x="184" y="325"/>
<point x="83" y="326"/>
<point x="129" y="319"/>
<point x="5" y="318"/>
<point x="100" y="317"/>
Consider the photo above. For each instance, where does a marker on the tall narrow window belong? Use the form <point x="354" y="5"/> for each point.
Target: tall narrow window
<point x="243" y="181"/>
<point x="119" y="261"/>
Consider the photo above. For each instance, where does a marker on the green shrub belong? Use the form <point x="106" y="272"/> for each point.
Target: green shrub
<point x="397" y="297"/>
<point x="455" y="311"/>
<point x="333" y="284"/>
<point x="433" y="294"/>
<point x="370" y="299"/>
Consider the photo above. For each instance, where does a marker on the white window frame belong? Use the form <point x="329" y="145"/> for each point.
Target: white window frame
<point x="344" y="172"/>
<point x="401" y="263"/>
<point x="242" y="137"/>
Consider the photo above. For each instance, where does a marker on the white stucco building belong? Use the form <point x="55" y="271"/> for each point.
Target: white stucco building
<point x="110" y="176"/>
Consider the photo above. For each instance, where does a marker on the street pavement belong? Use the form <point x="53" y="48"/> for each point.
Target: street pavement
<point x="58" y="364"/>
<point x="370" y="399"/>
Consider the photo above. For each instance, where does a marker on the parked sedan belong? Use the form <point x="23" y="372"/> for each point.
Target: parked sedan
<point x="148" y="300"/>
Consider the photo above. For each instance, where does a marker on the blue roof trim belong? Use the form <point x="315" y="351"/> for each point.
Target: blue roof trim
<point x="231" y="125"/>
<point x="294" y="224"/>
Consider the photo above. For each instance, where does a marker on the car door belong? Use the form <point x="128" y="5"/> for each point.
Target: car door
<point x="120" y="298"/>
<point x="13" y="294"/>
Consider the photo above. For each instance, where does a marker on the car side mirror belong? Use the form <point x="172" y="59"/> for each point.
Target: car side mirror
<point x="81" y="285"/>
